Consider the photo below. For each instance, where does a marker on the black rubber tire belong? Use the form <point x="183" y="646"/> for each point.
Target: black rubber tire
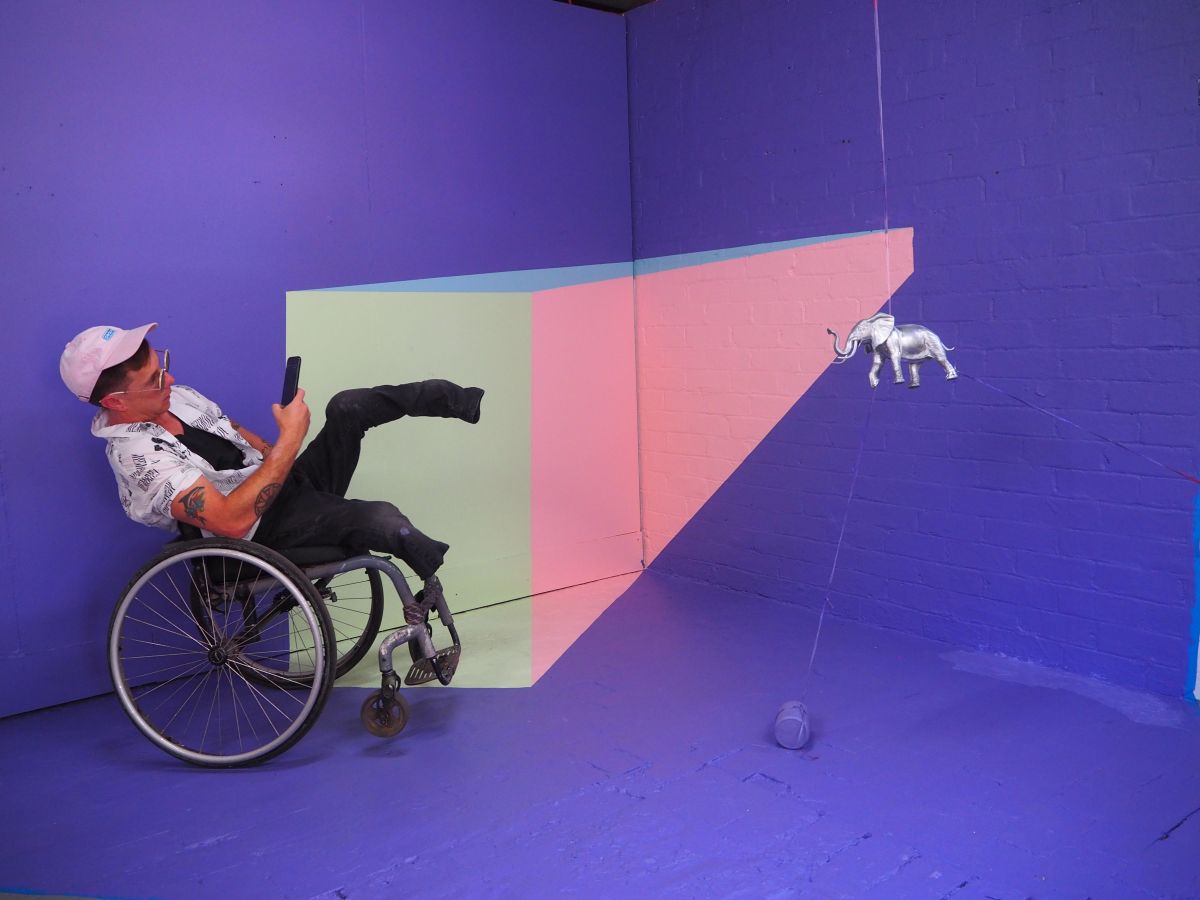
<point x="385" y="719"/>
<point x="170" y="566"/>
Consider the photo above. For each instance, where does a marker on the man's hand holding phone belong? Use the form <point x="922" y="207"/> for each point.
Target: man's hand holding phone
<point x="292" y="414"/>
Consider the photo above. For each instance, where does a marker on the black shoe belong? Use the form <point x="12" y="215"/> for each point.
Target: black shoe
<point x="475" y="398"/>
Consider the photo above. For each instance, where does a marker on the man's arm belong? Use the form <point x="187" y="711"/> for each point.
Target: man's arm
<point x="234" y="514"/>
<point x="252" y="439"/>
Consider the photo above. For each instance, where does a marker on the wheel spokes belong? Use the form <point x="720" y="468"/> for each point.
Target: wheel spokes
<point x="214" y="655"/>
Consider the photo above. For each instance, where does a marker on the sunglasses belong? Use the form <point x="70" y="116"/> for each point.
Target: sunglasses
<point x="160" y="379"/>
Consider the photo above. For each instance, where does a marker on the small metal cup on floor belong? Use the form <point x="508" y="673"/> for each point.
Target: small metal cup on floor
<point x="792" y="728"/>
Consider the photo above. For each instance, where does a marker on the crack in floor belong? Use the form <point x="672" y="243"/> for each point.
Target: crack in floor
<point x="958" y="887"/>
<point x="813" y="868"/>
<point x="905" y="861"/>
<point x="1167" y="834"/>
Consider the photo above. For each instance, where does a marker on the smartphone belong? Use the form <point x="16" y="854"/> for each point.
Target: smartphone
<point x="291" y="380"/>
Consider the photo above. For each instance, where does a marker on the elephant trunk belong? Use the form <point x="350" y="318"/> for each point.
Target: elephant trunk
<point x="844" y="353"/>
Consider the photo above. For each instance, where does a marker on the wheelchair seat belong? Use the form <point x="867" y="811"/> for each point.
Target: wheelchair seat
<point x="316" y="556"/>
<point x="301" y="556"/>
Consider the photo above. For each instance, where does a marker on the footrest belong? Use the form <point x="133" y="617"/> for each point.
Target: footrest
<point x="422" y="671"/>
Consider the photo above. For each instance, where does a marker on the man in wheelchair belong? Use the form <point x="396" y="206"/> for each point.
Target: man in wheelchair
<point x="179" y="459"/>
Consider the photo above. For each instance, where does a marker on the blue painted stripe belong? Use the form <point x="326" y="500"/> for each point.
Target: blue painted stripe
<point x="522" y="281"/>
<point x="526" y="280"/>
<point x="683" y="260"/>
<point x="1193" y="683"/>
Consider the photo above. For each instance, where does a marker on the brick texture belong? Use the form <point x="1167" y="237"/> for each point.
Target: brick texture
<point x="1045" y="154"/>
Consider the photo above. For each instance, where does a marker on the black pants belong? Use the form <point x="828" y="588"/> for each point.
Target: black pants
<point x="312" y="509"/>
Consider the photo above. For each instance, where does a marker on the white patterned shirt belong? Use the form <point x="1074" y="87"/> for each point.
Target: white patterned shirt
<point x="152" y="465"/>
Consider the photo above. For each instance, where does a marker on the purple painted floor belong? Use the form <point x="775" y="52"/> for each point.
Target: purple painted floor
<point x="642" y="765"/>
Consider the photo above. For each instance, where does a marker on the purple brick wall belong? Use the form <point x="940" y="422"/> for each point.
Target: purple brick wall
<point x="1046" y="154"/>
<point x="190" y="163"/>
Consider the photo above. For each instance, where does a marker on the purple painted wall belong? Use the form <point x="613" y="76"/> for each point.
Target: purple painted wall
<point x="189" y="163"/>
<point x="1046" y="155"/>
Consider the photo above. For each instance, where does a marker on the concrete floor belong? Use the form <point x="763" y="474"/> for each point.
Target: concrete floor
<point x="642" y="765"/>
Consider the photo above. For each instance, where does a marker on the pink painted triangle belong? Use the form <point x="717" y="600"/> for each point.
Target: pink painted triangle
<point x="726" y="348"/>
<point x="724" y="351"/>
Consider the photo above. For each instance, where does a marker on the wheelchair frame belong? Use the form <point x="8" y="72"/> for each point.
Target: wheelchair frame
<point x="222" y="652"/>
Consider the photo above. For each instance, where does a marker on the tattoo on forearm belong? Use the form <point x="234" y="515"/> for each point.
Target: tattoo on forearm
<point x="250" y="439"/>
<point x="266" y="497"/>
<point x="193" y="504"/>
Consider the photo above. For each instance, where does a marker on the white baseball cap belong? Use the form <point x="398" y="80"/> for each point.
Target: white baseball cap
<point x="91" y="352"/>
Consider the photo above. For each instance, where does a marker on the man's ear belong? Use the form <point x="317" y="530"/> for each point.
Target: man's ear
<point x="116" y="404"/>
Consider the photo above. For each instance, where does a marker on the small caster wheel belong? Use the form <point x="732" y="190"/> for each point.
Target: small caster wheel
<point x="385" y="716"/>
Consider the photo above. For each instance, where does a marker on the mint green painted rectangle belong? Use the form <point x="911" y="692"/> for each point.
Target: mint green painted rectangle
<point x="467" y="485"/>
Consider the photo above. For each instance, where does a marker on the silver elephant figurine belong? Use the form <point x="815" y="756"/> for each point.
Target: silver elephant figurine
<point x="883" y="337"/>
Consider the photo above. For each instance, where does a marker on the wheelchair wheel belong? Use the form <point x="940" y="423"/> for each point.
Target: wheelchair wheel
<point x="385" y="716"/>
<point x="354" y="601"/>
<point x="220" y="652"/>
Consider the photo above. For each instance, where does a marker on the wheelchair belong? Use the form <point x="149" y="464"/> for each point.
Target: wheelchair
<point x="223" y="652"/>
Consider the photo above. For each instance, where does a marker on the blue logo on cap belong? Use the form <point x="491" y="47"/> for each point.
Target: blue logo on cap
<point x="108" y="334"/>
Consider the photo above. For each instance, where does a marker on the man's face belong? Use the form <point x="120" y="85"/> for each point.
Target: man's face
<point x="141" y="397"/>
